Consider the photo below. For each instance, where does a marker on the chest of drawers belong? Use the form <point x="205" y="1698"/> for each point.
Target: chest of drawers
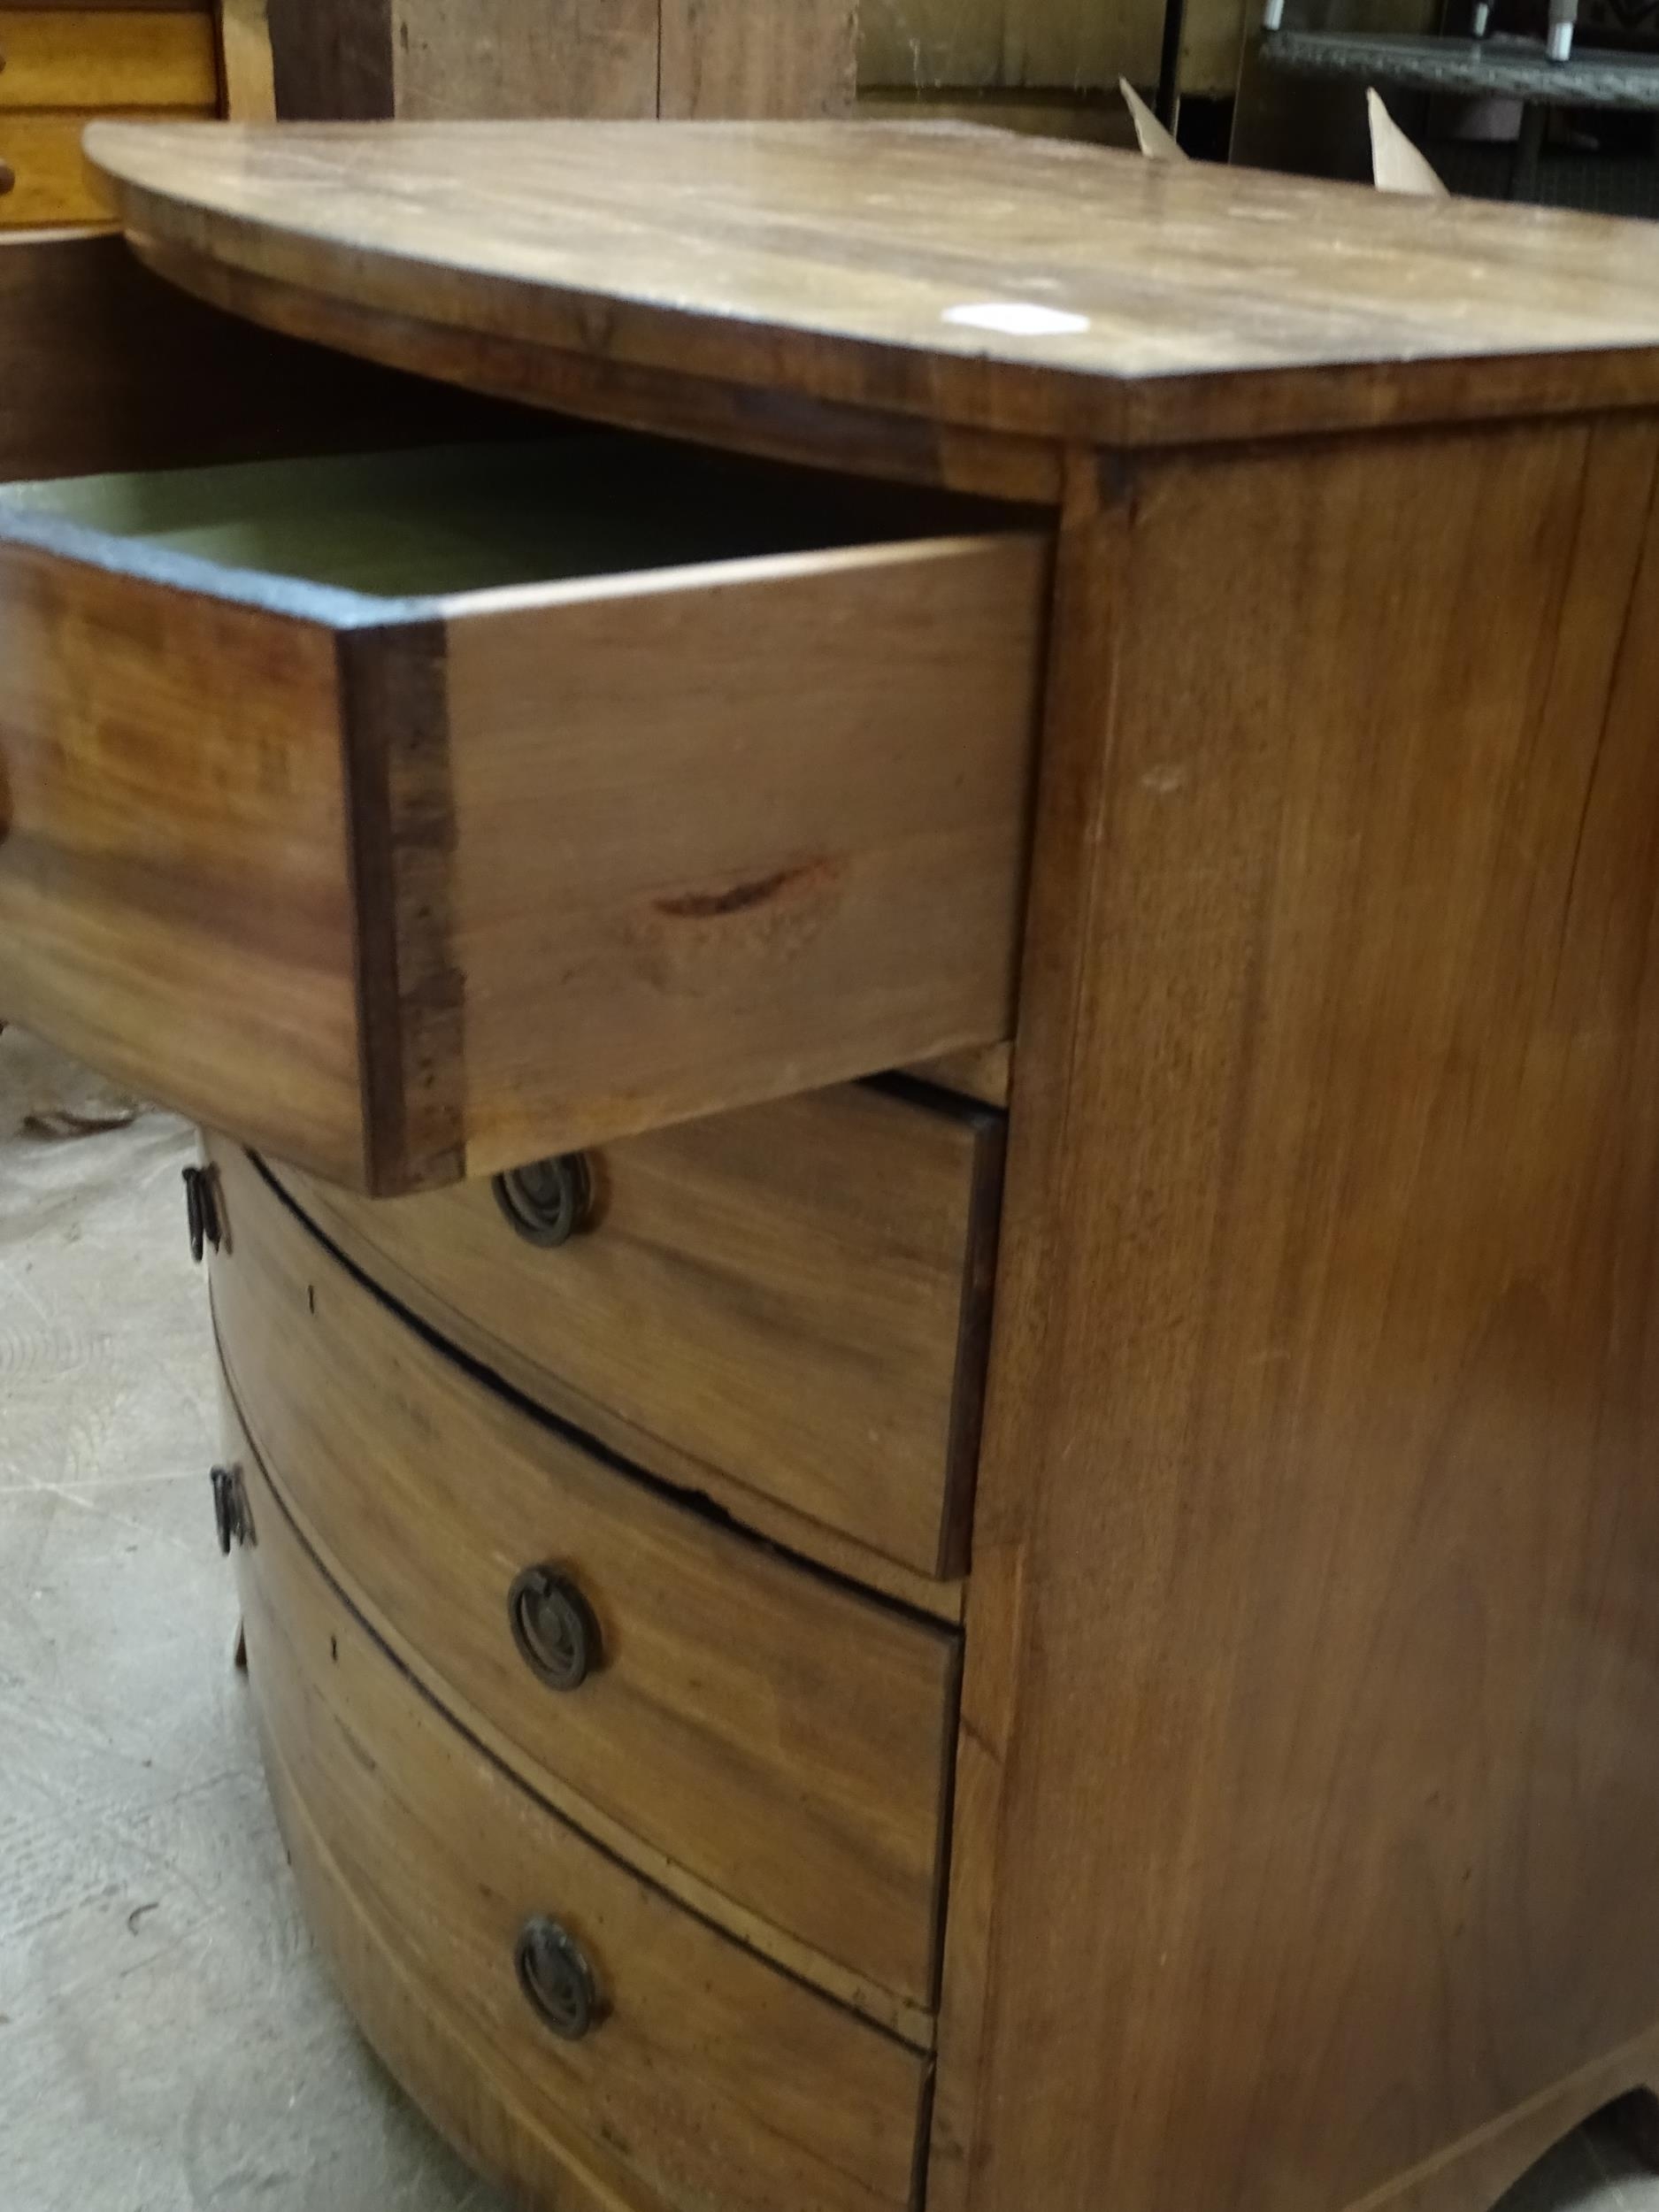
<point x="834" y="1626"/>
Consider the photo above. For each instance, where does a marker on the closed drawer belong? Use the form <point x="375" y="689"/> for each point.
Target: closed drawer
<point x="44" y="179"/>
<point x="415" y="815"/>
<point x="689" y="2076"/>
<point x="771" y="1740"/>
<point x="785" y="1304"/>
<point x="102" y="59"/>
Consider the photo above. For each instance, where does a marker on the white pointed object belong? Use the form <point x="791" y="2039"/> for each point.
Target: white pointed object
<point x="1395" y="164"/>
<point x="1154" y="142"/>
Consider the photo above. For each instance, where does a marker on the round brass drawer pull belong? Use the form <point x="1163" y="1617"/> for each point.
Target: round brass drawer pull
<point x="549" y="1201"/>
<point x="8" y="177"/>
<point x="556" y="1977"/>
<point x="554" y="1628"/>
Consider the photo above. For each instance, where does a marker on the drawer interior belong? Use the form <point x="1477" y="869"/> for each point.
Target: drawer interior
<point x="435" y="522"/>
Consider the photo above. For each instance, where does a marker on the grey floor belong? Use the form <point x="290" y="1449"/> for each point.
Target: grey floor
<point x="168" y="2039"/>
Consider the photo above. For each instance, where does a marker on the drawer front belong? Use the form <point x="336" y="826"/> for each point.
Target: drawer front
<point x="776" y="1740"/>
<point x="329" y="822"/>
<point x="75" y="57"/>
<point x="789" y="1302"/>
<point x="44" y="179"/>
<point x="685" y="2075"/>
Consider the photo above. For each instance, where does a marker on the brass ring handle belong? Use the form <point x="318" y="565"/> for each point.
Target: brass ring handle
<point x="549" y="1201"/>
<point x="553" y="1627"/>
<point x="557" y="1981"/>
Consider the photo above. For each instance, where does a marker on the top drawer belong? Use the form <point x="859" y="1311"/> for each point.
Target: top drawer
<point x="415" y="815"/>
<point x="123" y="57"/>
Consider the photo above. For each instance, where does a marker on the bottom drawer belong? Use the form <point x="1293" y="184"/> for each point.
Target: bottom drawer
<point x="581" y="2036"/>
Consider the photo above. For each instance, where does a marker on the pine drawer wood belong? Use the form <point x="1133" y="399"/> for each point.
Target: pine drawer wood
<point x="786" y="1306"/>
<point x="98" y="59"/>
<point x="711" y="2083"/>
<point x="777" y="1742"/>
<point x="410" y="816"/>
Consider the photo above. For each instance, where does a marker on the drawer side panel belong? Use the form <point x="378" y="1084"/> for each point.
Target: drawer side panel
<point x="739" y="834"/>
<point x="173" y="897"/>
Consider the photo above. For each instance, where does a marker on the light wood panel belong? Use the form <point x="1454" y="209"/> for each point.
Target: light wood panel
<point x="782" y="1739"/>
<point x="65" y="58"/>
<point x="175" y="897"/>
<point x="643" y="842"/>
<point x="827" y="262"/>
<point x="247" y="64"/>
<point x="780" y="839"/>
<point x="787" y="1303"/>
<point x="757" y="58"/>
<point x="721" y="2084"/>
<point x="1311" y="1659"/>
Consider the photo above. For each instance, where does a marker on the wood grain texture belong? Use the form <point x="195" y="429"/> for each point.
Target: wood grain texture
<point x="785" y="1303"/>
<point x="821" y="262"/>
<point x="1311" y="1664"/>
<point x="173" y="891"/>
<point x="713" y="2083"/>
<point x="61" y="57"/>
<point x="575" y="913"/>
<point x="757" y="58"/>
<point x="458" y="59"/>
<point x="358" y="1228"/>
<point x="782" y="1739"/>
<point x="780" y="842"/>
<point x="105" y="367"/>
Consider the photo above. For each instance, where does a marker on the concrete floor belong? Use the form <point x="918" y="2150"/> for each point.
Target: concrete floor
<point x="168" y="2039"/>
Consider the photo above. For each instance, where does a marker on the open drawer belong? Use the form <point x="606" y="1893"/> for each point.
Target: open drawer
<point x="415" y="815"/>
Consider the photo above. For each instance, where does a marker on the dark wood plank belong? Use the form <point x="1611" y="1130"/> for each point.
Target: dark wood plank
<point x="333" y="63"/>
